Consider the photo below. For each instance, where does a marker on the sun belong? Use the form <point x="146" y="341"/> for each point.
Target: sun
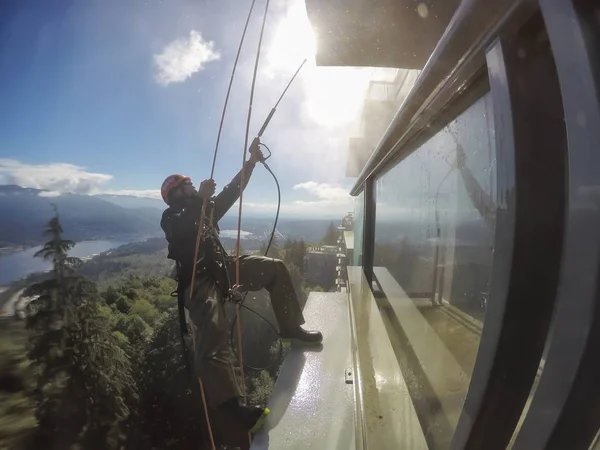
<point x="332" y="96"/>
<point x="294" y="40"/>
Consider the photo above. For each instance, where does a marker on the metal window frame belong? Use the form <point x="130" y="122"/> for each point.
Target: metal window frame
<point x="458" y="56"/>
<point x="368" y="244"/>
<point x="565" y="408"/>
<point x="531" y="152"/>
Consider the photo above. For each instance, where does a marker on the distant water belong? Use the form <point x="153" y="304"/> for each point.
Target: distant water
<point x="232" y="234"/>
<point x="18" y="265"/>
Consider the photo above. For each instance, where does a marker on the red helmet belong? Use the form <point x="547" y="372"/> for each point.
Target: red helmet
<point x="171" y="182"/>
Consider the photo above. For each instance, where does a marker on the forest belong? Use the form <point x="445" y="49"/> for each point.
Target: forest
<point x="97" y="364"/>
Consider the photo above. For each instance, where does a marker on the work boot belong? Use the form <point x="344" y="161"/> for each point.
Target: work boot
<point x="250" y="417"/>
<point x="301" y="335"/>
<point x="233" y="421"/>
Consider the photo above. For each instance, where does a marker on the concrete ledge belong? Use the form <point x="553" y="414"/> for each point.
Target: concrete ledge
<point x="311" y="405"/>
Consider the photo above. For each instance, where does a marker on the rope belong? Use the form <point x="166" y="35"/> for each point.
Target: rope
<point x="203" y="213"/>
<point x="237" y="57"/>
<point x="242" y="183"/>
<point x="242" y="305"/>
<point x="210" y="433"/>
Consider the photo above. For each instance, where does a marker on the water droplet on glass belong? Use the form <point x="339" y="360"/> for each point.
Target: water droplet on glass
<point x="422" y="10"/>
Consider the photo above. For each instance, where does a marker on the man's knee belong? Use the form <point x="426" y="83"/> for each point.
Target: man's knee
<point x="201" y="311"/>
<point x="263" y="263"/>
<point x="266" y="260"/>
<point x="279" y="263"/>
<point x="278" y="267"/>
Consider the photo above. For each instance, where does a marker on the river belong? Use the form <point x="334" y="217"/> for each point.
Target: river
<point x="20" y="264"/>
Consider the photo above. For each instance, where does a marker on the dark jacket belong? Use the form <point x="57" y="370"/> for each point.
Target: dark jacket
<point x="180" y="223"/>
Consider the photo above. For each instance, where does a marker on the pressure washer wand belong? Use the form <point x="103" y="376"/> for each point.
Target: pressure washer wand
<point x="256" y="140"/>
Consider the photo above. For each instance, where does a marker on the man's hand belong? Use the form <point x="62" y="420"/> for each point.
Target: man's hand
<point x="236" y="293"/>
<point x="207" y="189"/>
<point x="255" y="153"/>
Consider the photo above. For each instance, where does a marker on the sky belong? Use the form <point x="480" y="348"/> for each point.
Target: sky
<point x="106" y="96"/>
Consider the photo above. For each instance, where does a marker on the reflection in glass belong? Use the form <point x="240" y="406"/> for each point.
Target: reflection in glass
<point x="434" y="233"/>
<point x="382" y="100"/>
<point x="359" y="213"/>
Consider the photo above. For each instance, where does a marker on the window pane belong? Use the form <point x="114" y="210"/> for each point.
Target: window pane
<point x="433" y="254"/>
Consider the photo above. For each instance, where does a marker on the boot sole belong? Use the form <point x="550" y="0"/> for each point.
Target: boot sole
<point x="300" y="341"/>
<point x="261" y="421"/>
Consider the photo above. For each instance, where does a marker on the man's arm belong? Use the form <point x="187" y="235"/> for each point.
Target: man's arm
<point x="231" y="193"/>
<point x="168" y="223"/>
<point x="483" y="202"/>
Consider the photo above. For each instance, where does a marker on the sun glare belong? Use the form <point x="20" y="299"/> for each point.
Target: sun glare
<point x="333" y="96"/>
<point x="294" y="40"/>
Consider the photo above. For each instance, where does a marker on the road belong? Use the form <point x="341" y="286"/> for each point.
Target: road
<point x="8" y="301"/>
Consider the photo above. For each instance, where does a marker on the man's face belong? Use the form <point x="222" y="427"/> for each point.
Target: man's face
<point x="185" y="189"/>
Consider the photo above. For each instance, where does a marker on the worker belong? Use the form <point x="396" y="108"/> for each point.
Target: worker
<point x="212" y="354"/>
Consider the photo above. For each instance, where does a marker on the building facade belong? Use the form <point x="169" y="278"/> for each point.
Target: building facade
<point x="476" y="238"/>
<point x="320" y="266"/>
<point x="471" y="296"/>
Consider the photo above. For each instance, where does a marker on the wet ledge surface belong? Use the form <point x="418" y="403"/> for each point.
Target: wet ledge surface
<point x="311" y="405"/>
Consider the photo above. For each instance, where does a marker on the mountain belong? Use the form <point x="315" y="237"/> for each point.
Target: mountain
<point x="130" y="201"/>
<point x="24" y="213"/>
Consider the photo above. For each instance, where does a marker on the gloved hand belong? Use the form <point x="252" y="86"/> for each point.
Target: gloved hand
<point x="255" y="152"/>
<point x="207" y="189"/>
<point x="235" y="293"/>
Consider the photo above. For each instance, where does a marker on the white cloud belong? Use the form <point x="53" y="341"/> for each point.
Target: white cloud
<point x="148" y="193"/>
<point x="296" y="209"/>
<point x="56" y="177"/>
<point x="325" y="200"/>
<point x="50" y="194"/>
<point x="180" y="59"/>
<point x="325" y="193"/>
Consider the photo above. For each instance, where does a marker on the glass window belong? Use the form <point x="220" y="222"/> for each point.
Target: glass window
<point x="359" y="215"/>
<point x="434" y="241"/>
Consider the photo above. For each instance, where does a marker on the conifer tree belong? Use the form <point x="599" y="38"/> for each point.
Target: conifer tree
<point x="297" y="253"/>
<point x="274" y="251"/>
<point x="331" y="235"/>
<point x="83" y="377"/>
<point x="170" y="411"/>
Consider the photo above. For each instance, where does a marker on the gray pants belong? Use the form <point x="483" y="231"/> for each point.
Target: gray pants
<point x="213" y="357"/>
